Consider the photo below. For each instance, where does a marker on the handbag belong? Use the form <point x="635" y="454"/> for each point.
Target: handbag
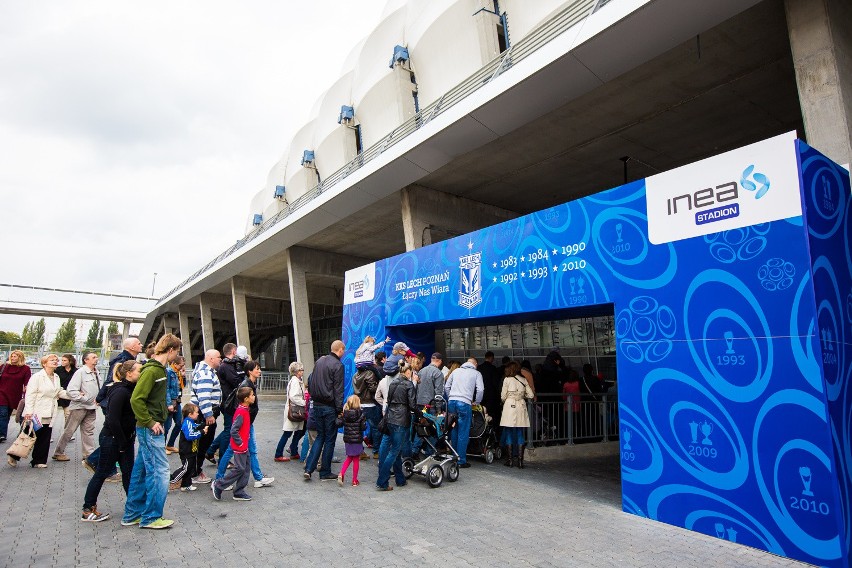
<point x="296" y="413"/>
<point x="383" y="424"/>
<point x="23" y="444"/>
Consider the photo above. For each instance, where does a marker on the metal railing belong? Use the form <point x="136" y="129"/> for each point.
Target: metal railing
<point x="272" y="382"/>
<point x="571" y="15"/>
<point x="572" y="418"/>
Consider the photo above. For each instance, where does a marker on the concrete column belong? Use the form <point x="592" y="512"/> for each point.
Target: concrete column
<point x="430" y="216"/>
<point x="821" y="44"/>
<point x="125" y="330"/>
<point x="296" y="268"/>
<point x="238" y="294"/>
<point x="183" y="321"/>
<point x="206" y="323"/>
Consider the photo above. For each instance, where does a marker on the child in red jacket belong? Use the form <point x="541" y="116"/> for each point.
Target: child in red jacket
<point x="240" y="429"/>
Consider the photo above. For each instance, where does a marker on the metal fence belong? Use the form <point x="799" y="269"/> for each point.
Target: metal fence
<point x="271" y="382"/>
<point x="571" y="418"/>
<point x="555" y="26"/>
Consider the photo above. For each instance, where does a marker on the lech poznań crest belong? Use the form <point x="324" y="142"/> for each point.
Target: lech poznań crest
<point x="470" y="265"/>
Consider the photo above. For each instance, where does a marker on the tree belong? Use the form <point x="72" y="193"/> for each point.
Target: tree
<point x="10" y="337"/>
<point x="95" y="339"/>
<point x="66" y="336"/>
<point x="113" y="328"/>
<point x="33" y="333"/>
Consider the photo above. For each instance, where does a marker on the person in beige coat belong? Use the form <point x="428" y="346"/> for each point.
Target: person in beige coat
<point x="515" y="419"/>
<point x="43" y="391"/>
<point x="295" y="396"/>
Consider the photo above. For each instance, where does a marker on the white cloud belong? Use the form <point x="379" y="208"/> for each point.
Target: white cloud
<point x="133" y="135"/>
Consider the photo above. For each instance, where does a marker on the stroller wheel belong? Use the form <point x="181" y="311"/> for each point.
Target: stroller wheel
<point x="408" y="468"/>
<point x="453" y="471"/>
<point x="489" y="456"/>
<point x="435" y="476"/>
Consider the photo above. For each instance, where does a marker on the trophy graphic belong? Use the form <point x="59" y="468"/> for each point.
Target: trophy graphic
<point x="729" y="341"/>
<point x="732" y="534"/>
<point x="627" y="436"/>
<point x="829" y="339"/>
<point x="618" y="228"/>
<point x="805" y="474"/>
<point x="706" y="430"/>
<point x="572" y="281"/>
<point x="580" y="282"/>
<point x="720" y="530"/>
<point x="693" y="430"/>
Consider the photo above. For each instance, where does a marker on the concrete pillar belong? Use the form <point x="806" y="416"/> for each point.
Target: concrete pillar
<point x="208" y="339"/>
<point x="125" y="330"/>
<point x="238" y="294"/>
<point x="821" y="45"/>
<point x="296" y="268"/>
<point x="430" y="216"/>
<point x="183" y="322"/>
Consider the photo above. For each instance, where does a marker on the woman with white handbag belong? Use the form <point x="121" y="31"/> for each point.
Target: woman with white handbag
<point x="43" y="390"/>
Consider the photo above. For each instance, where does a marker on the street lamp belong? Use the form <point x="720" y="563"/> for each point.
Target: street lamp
<point x="154" y="284"/>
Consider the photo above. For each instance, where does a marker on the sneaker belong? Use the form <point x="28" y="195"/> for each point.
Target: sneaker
<point x="355" y="483"/>
<point x="364" y="456"/>
<point x="217" y="493"/>
<point x="115" y="477"/>
<point x="282" y="459"/>
<point x="335" y="460"/>
<point x="201" y="478"/>
<point x="61" y="457"/>
<point x="306" y="475"/>
<point x="93" y="516"/>
<point x="11" y="461"/>
<point x="211" y="459"/>
<point x="87" y="465"/>
<point x="135" y="521"/>
<point x="171" y="450"/>
<point x="388" y="488"/>
<point x="375" y="455"/>
<point x="265" y="482"/>
<point x="2" y="439"/>
<point x="242" y="496"/>
<point x="465" y="464"/>
<point x="72" y="438"/>
<point x="340" y="480"/>
<point x="160" y="523"/>
<point x="175" y="485"/>
<point x="229" y="488"/>
<point x="190" y="488"/>
<point x="329" y="477"/>
<point x="40" y="465"/>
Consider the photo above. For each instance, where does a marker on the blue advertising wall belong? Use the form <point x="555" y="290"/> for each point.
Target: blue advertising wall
<point x="731" y="347"/>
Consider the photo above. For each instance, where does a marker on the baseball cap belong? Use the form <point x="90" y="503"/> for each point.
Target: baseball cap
<point x="437" y="355"/>
<point x="400" y="346"/>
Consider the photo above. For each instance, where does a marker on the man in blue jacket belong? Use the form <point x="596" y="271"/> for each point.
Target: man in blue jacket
<point x="326" y="388"/>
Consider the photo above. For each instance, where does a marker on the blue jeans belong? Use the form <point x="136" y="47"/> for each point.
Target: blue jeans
<point x="461" y="433"/>
<point x="389" y="456"/>
<point x="306" y="446"/>
<point x="326" y="419"/>
<point x="294" y="445"/>
<point x="255" y="464"/>
<point x="374" y="415"/>
<point x="95" y="457"/>
<point x="5" y="411"/>
<point x="173" y="418"/>
<point x="221" y="442"/>
<point x="149" y="483"/>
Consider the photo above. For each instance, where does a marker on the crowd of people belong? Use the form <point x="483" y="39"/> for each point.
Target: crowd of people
<point x="145" y="420"/>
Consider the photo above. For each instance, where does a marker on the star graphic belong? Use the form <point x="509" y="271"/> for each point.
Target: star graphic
<point x="555" y="251"/>
<point x="522" y="259"/>
<point x="523" y="274"/>
<point x="494" y="265"/>
<point x="495" y="279"/>
<point x="470" y="245"/>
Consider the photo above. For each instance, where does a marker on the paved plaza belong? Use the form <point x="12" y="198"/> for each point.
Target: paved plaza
<point x="550" y="514"/>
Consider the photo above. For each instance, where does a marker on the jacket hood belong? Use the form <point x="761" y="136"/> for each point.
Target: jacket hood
<point x="468" y="365"/>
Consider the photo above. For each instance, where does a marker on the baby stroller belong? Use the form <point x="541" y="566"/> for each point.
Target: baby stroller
<point x="483" y="439"/>
<point x="444" y="462"/>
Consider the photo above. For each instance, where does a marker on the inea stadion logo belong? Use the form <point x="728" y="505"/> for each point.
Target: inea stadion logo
<point x="725" y="195"/>
<point x="470" y="265"/>
<point x="358" y="287"/>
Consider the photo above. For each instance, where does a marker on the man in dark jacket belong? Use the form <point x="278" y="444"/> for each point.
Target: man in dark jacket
<point x="231" y="375"/>
<point x="401" y="402"/>
<point x="326" y="388"/>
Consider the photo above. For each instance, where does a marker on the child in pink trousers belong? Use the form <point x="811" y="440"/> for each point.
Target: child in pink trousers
<point x="354" y="422"/>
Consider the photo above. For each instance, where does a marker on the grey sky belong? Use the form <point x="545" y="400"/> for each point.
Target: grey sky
<point x="134" y="134"/>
